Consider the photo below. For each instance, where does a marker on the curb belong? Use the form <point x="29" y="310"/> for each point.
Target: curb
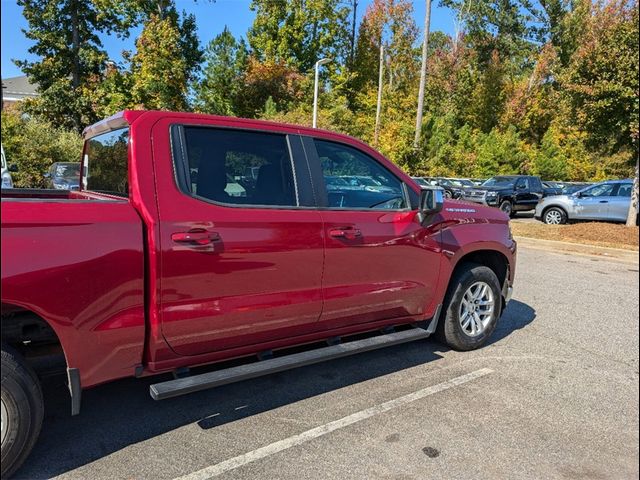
<point x="619" y="254"/>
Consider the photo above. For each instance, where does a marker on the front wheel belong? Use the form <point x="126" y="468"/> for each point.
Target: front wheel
<point x="555" y="216"/>
<point x="473" y="305"/>
<point x="22" y="410"/>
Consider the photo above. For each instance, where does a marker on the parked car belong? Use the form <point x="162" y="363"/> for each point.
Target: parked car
<point x="551" y="188"/>
<point x="147" y="270"/>
<point x="510" y="193"/>
<point x="368" y="183"/>
<point x="606" y="201"/>
<point x="570" y="187"/>
<point x="7" y="181"/>
<point x="452" y="188"/>
<point x="64" y="176"/>
<point x="422" y="181"/>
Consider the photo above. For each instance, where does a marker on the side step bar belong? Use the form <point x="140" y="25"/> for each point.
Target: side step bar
<point x="182" y="386"/>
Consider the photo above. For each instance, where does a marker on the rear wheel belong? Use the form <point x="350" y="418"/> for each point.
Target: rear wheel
<point x="473" y="305"/>
<point x="22" y="410"/>
<point x="554" y="216"/>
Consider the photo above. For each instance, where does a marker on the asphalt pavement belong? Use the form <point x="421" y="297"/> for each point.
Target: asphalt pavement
<point x="554" y="395"/>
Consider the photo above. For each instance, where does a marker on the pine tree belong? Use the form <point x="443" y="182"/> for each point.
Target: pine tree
<point x="226" y="61"/>
<point x="70" y="57"/>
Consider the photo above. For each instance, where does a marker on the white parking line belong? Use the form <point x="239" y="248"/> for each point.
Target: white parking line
<point x="279" y="446"/>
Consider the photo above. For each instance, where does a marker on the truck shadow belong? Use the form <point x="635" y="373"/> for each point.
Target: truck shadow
<point x="122" y="413"/>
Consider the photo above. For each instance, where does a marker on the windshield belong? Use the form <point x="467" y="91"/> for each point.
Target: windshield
<point x="500" y="182"/>
<point x="466" y="183"/>
<point x="68" y="171"/>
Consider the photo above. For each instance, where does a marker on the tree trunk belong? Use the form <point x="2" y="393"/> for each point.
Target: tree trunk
<point x="75" y="53"/>
<point x="632" y="218"/>
<point x="379" y="104"/>
<point x="353" y="31"/>
<point x="423" y="75"/>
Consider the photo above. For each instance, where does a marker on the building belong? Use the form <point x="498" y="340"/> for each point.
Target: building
<point x="16" y="89"/>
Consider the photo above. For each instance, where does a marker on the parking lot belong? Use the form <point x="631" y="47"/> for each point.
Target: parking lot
<point x="553" y="396"/>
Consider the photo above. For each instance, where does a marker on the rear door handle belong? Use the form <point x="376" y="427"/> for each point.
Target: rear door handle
<point x="350" y="233"/>
<point x="195" y="236"/>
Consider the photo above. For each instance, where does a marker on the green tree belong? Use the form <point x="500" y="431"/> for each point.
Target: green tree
<point x="226" y="61"/>
<point x="66" y="36"/>
<point x="299" y="32"/>
<point x="33" y="144"/>
<point x="158" y="68"/>
<point x="601" y="80"/>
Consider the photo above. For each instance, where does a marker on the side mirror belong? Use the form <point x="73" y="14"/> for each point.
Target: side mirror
<point x="13" y="168"/>
<point x="431" y="200"/>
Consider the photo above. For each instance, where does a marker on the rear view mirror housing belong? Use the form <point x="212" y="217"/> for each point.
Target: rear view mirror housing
<point x="431" y="201"/>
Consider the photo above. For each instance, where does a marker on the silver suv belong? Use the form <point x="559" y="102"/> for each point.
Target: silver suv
<point x="606" y="201"/>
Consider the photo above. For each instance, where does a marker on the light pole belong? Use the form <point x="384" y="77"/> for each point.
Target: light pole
<point x="315" y="90"/>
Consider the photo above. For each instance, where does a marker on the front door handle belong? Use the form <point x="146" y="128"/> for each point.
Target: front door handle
<point x="349" y="233"/>
<point x="195" y="236"/>
<point x="604" y="201"/>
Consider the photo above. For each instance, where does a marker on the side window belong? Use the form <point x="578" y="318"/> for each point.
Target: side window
<point x="523" y="183"/>
<point x="354" y="180"/>
<point x="602" y="190"/>
<point x="625" y="190"/>
<point x="239" y="167"/>
<point x="536" y="184"/>
<point x="106" y="163"/>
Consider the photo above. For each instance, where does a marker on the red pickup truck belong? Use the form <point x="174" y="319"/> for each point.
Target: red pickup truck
<point x="194" y="239"/>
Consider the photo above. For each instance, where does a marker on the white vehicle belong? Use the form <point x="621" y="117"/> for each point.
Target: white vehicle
<point x="7" y="181"/>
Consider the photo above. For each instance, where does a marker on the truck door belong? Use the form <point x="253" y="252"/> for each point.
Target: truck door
<point x="527" y="196"/>
<point x="242" y="252"/>
<point x="379" y="261"/>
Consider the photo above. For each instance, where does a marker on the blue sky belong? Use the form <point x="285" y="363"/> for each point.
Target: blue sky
<point x="211" y="19"/>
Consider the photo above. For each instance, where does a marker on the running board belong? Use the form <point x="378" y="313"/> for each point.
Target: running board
<point x="204" y="381"/>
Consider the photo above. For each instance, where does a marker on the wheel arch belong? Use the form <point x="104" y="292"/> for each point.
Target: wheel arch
<point x="493" y="259"/>
<point x="553" y="205"/>
<point x="34" y="337"/>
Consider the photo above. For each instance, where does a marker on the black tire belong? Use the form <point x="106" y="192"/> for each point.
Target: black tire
<point x="22" y="399"/>
<point x="507" y="207"/>
<point x="449" y="330"/>
<point x="557" y="213"/>
<point x="447" y="194"/>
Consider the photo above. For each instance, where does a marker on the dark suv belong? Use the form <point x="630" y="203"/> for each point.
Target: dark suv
<point x="510" y="193"/>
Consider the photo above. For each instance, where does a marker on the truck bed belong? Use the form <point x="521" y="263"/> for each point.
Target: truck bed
<point x="77" y="259"/>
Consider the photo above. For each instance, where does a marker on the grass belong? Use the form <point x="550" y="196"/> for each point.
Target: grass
<point x="587" y="233"/>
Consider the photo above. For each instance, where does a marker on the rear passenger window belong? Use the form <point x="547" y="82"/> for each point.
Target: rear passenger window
<point x="625" y="190"/>
<point x="239" y="167"/>
<point x="354" y="180"/>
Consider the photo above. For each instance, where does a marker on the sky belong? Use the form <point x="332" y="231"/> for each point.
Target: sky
<point x="211" y="17"/>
